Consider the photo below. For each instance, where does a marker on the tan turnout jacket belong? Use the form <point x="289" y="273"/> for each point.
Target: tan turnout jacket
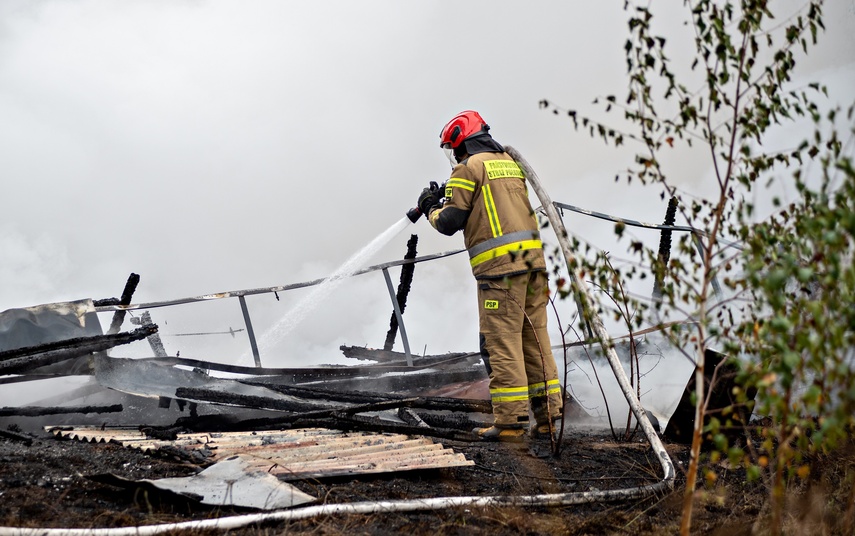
<point x="487" y="197"/>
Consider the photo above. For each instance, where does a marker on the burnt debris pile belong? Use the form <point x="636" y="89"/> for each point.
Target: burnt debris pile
<point x="433" y="395"/>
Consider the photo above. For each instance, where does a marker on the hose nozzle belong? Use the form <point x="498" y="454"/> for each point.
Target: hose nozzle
<point x="414" y="214"/>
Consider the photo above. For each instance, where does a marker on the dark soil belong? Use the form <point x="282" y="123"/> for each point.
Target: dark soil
<point x="45" y="484"/>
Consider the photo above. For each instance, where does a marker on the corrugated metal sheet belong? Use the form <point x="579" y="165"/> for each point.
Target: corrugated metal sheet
<point x="232" y="482"/>
<point x="294" y="454"/>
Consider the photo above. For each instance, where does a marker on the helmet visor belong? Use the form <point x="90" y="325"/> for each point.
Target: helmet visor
<point x="449" y="153"/>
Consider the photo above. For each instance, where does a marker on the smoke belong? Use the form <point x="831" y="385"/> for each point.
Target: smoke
<point x="214" y="146"/>
<point x="34" y="265"/>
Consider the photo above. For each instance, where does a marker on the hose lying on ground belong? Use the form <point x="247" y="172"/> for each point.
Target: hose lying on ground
<point x="374" y="507"/>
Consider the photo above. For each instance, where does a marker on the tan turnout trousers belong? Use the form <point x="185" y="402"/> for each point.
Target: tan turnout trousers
<point x="515" y="345"/>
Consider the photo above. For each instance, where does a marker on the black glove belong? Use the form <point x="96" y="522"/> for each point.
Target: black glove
<point x="430" y="198"/>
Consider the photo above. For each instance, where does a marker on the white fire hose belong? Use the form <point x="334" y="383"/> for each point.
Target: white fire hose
<point x="586" y="300"/>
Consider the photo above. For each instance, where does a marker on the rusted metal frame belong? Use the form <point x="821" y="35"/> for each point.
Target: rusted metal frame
<point x="625" y="221"/>
<point x="127" y="295"/>
<point x="266" y="290"/>
<point x="34" y="411"/>
<point x="696" y="233"/>
<point x="241" y="294"/>
<point x="399" y="316"/>
<point x="635" y="223"/>
<point x="249" y="331"/>
<point x="425" y="402"/>
<point x="24" y="359"/>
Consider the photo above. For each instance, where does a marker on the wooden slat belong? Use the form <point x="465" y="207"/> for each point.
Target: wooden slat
<point x="360" y="458"/>
<point x="295" y="454"/>
<point x="324" y="451"/>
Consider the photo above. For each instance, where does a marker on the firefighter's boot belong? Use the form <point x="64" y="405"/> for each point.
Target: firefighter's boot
<point x="541" y="432"/>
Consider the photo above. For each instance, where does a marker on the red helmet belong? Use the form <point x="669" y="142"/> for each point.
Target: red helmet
<point x="460" y="127"/>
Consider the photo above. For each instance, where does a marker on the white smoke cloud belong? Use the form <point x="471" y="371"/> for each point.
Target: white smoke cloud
<point x="212" y="146"/>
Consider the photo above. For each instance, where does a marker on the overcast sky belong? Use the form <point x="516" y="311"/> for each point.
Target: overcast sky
<point x="213" y="145"/>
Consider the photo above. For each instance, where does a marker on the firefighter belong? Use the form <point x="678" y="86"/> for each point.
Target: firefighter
<point x="487" y="197"/>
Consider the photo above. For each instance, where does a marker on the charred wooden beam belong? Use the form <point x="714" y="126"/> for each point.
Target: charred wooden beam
<point x="320" y="373"/>
<point x="248" y="401"/>
<point x="127" y="294"/>
<point x="69" y="343"/>
<point x="403" y="291"/>
<point x="388" y="356"/>
<point x="15" y="436"/>
<point x="452" y="421"/>
<point x="156" y="344"/>
<point x="225" y="423"/>
<point x="301" y="410"/>
<point x="349" y="423"/>
<point x="23" y="359"/>
<point x="154" y="341"/>
<point x="664" y="246"/>
<point x="35" y="411"/>
<point x="410" y="417"/>
<point x="374" y="406"/>
<point x="407" y="384"/>
<point x="361" y="397"/>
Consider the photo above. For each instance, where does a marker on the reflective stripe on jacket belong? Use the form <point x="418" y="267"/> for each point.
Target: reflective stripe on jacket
<point x="487" y="197"/>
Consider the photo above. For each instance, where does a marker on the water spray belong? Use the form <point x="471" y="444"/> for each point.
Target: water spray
<point x="315" y="298"/>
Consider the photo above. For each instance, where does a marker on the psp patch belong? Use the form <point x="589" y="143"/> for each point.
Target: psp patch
<point x="448" y="191"/>
<point x="491" y="305"/>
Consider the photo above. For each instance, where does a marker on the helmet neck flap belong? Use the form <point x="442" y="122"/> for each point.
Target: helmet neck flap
<point x="481" y="143"/>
